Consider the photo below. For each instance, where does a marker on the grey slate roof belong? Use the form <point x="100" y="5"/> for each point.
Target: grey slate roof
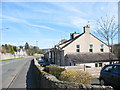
<point x="91" y="57"/>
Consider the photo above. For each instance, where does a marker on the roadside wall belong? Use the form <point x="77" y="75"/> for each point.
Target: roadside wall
<point x="45" y="80"/>
<point x="10" y="56"/>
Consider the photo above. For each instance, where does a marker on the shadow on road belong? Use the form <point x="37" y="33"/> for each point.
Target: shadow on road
<point x="30" y="78"/>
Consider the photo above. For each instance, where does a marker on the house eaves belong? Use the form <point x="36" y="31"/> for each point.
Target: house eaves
<point x="72" y="40"/>
<point x="92" y="57"/>
<point x="99" y="39"/>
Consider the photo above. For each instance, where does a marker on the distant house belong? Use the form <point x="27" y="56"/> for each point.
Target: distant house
<point x="80" y="49"/>
<point x="21" y="51"/>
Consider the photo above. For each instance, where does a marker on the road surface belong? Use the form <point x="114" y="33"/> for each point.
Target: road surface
<point x="95" y="81"/>
<point x="17" y="74"/>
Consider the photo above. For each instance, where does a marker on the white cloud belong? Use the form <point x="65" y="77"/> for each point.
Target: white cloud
<point x="77" y="21"/>
<point x="70" y="7"/>
<point x="80" y="23"/>
<point x="12" y="19"/>
<point x="41" y="26"/>
<point x="25" y="22"/>
<point x="50" y="42"/>
<point x="46" y="27"/>
<point x="60" y="0"/>
<point x="44" y="11"/>
<point x="30" y="24"/>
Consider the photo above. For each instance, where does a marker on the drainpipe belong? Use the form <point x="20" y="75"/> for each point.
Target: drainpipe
<point x="84" y="67"/>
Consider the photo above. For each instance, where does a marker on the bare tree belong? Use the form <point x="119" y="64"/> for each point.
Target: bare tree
<point x="107" y="29"/>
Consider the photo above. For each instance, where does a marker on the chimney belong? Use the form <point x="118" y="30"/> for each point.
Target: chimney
<point x="73" y="35"/>
<point x="87" y="29"/>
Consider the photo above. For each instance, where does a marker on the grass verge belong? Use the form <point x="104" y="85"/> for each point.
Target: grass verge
<point x="10" y="59"/>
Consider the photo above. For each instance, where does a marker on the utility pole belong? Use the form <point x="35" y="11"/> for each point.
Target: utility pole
<point x="119" y="22"/>
<point x="37" y="43"/>
<point x="119" y="28"/>
<point x="1" y="34"/>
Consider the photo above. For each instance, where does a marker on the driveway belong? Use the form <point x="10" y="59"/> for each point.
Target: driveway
<point x="95" y="81"/>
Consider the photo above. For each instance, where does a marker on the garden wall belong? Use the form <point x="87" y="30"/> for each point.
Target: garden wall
<point x="9" y="56"/>
<point x="45" y="80"/>
<point x="94" y="71"/>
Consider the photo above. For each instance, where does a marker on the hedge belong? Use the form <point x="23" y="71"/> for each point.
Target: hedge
<point x="56" y="71"/>
<point x="77" y="76"/>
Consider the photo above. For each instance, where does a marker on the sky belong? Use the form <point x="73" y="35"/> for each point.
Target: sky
<point x="44" y="24"/>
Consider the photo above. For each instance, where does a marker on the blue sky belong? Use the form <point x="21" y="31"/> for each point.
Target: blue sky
<point x="49" y="22"/>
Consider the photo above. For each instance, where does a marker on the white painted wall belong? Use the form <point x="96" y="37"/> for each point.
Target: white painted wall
<point x="15" y="55"/>
<point x="84" y="41"/>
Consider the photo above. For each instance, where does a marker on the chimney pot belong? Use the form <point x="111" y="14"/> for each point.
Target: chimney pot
<point x="73" y="35"/>
<point x="87" y="29"/>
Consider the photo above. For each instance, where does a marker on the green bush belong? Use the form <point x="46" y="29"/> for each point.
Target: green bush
<point x="3" y="51"/>
<point x="56" y="71"/>
<point x="77" y="76"/>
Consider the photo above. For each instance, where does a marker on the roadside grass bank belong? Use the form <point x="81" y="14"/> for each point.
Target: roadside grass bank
<point x="10" y="59"/>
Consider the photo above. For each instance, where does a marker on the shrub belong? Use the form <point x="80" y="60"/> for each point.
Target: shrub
<point x="77" y="76"/>
<point x="3" y="51"/>
<point x="56" y="71"/>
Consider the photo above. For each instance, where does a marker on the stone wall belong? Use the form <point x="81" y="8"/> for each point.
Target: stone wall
<point x="45" y="80"/>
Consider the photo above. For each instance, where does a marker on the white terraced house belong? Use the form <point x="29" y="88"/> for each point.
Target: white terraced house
<point x="80" y="49"/>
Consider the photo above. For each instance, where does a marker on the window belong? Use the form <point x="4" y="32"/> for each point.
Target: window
<point x="100" y="64"/>
<point x="116" y="69"/>
<point x="77" y="50"/>
<point x="96" y="65"/>
<point x="74" y="64"/>
<point x="78" y="46"/>
<point x="108" y="68"/>
<point x="90" y="50"/>
<point x="101" y="48"/>
<point x="91" y="46"/>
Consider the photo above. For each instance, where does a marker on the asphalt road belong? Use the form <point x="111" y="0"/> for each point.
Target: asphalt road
<point x="17" y="74"/>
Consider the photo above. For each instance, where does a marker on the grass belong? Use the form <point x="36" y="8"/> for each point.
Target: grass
<point x="10" y="59"/>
